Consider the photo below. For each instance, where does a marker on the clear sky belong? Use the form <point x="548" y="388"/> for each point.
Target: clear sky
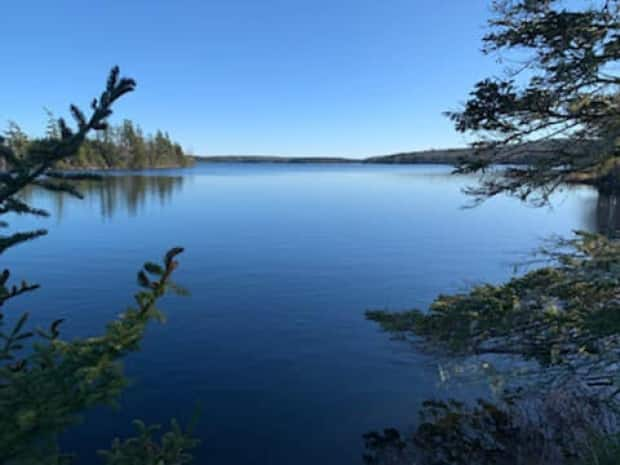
<point x="287" y="77"/>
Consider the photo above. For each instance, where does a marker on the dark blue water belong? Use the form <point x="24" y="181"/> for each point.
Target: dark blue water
<point x="281" y="261"/>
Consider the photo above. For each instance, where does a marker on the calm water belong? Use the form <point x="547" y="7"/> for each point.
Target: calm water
<point x="281" y="261"/>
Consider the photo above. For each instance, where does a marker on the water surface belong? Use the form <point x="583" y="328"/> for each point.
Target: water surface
<point x="281" y="261"/>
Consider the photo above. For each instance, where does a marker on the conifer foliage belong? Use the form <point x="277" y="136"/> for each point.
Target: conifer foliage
<point x="45" y="381"/>
<point x="549" y="340"/>
<point x="113" y="147"/>
<point x="558" y="101"/>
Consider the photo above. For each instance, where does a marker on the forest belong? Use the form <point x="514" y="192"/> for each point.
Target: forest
<point x="293" y="274"/>
<point x="116" y="147"/>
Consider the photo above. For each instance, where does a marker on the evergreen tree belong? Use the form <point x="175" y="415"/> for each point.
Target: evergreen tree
<point x="560" y="105"/>
<point x="124" y="147"/>
<point x="16" y="139"/>
<point x="45" y="386"/>
<point x="52" y="130"/>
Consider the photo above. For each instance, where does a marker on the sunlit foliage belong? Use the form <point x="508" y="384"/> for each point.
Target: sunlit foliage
<point x="557" y="102"/>
<point x="46" y="382"/>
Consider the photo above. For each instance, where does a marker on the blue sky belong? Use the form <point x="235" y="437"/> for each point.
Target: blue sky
<point x="289" y="77"/>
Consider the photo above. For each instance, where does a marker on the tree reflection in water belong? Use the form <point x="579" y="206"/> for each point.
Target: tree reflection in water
<point x="115" y="193"/>
<point x="608" y="215"/>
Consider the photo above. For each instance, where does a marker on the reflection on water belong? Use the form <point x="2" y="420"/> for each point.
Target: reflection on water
<point x="130" y="193"/>
<point x="281" y="263"/>
<point x="608" y="215"/>
<point x="114" y="194"/>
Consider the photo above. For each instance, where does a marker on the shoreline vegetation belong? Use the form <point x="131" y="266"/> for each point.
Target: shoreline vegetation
<point x="122" y="147"/>
<point x="522" y="154"/>
<point x="444" y="157"/>
<point x="527" y="154"/>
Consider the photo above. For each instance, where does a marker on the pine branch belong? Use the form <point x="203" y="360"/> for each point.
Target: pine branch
<point x="7" y="242"/>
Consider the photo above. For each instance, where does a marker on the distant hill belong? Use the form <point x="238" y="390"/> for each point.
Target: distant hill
<point x="444" y="157"/>
<point x="448" y="156"/>
<point x="522" y="154"/>
<point x="525" y="154"/>
<point x="272" y="159"/>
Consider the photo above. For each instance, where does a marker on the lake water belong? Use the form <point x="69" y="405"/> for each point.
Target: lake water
<point x="281" y="262"/>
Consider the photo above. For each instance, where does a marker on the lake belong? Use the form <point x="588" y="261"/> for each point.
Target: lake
<point x="281" y="262"/>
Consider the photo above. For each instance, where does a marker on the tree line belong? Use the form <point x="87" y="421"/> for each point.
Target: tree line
<point x="122" y="147"/>
<point x="547" y="341"/>
<point x="563" y="318"/>
<point x="46" y="381"/>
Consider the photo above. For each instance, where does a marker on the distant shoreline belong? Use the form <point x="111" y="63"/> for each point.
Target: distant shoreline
<point x="272" y="159"/>
<point x="444" y="157"/>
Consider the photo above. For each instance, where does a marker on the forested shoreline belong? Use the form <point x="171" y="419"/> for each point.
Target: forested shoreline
<point x="117" y="147"/>
<point x="514" y="369"/>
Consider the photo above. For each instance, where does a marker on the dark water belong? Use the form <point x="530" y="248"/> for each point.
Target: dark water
<point x="281" y="261"/>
